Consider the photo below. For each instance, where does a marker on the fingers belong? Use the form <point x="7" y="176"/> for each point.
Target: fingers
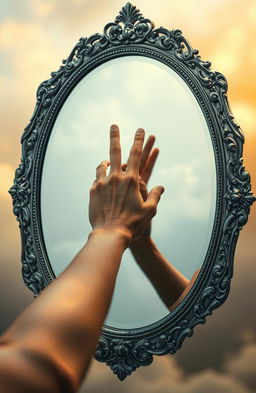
<point x="115" y="149"/>
<point x="136" y="152"/>
<point x="143" y="190"/>
<point x="146" y="151"/>
<point x="101" y="169"/>
<point x="147" y="170"/>
<point x="154" y="196"/>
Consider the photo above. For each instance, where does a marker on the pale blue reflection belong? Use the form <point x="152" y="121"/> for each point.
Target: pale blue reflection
<point x="131" y="92"/>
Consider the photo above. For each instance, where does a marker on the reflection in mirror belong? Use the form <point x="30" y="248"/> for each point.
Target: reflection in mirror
<point x="132" y="92"/>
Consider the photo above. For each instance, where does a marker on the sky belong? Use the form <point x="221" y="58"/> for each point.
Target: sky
<point x="34" y="37"/>
<point x="119" y="90"/>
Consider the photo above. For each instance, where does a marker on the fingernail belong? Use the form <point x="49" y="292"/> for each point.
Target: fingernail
<point x="113" y="127"/>
<point x="140" y="131"/>
<point x="161" y="189"/>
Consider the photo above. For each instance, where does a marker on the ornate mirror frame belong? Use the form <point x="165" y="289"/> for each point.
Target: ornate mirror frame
<point x="131" y="34"/>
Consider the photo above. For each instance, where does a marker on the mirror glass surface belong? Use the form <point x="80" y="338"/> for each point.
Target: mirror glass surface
<point x="132" y="91"/>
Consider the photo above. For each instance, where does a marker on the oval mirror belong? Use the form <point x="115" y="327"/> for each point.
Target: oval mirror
<point x="136" y="76"/>
<point x="119" y="91"/>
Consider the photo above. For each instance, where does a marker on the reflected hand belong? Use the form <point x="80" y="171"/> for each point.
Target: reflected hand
<point x="147" y="163"/>
<point x="120" y="201"/>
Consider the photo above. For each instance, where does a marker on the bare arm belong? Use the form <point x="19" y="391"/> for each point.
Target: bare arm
<point x="48" y="348"/>
<point x="168" y="281"/>
<point x="52" y="341"/>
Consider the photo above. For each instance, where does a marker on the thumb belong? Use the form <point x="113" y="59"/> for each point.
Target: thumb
<point x="155" y="195"/>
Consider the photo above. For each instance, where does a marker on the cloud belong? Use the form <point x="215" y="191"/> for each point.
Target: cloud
<point x="242" y="366"/>
<point x="227" y="57"/>
<point x="84" y="15"/>
<point x="35" y="53"/>
<point x="224" y="331"/>
<point x="13" y="293"/>
<point x="165" y="376"/>
<point x="186" y="198"/>
<point x="252" y="13"/>
<point x="154" y="378"/>
<point x="36" y="36"/>
<point x="210" y="381"/>
<point x="245" y="114"/>
<point x="6" y="178"/>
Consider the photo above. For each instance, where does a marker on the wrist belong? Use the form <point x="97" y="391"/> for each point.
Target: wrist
<point x="142" y="241"/>
<point x="113" y="232"/>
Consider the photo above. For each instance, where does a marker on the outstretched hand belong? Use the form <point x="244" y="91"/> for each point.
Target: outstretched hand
<point x="147" y="163"/>
<point x="120" y="200"/>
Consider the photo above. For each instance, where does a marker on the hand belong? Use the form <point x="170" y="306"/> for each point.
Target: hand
<point x="147" y="163"/>
<point x="116" y="201"/>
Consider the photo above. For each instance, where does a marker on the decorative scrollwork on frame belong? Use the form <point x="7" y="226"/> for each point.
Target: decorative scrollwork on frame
<point x="130" y="27"/>
<point x="118" y="354"/>
<point x="124" y="356"/>
<point x="131" y="33"/>
<point x="21" y="194"/>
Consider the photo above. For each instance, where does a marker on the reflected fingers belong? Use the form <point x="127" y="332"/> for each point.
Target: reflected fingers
<point x="136" y="152"/>
<point x="154" y="197"/>
<point x="147" y="170"/>
<point x="146" y="151"/>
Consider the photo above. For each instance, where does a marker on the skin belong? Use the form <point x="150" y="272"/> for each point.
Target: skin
<point x="49" y="346"/>
<point x="168" y="281"/>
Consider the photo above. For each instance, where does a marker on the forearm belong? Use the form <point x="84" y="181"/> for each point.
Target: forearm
<point x="66" y="319"/>
<point x="168" y="281"/>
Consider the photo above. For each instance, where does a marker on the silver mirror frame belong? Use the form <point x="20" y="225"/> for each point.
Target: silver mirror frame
<point x="131" y="34"/>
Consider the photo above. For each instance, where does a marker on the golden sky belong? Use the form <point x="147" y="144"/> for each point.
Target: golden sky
<point x="34" y="37"/>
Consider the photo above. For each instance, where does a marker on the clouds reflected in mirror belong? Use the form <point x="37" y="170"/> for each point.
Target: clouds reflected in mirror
<point x="132" y="92"/>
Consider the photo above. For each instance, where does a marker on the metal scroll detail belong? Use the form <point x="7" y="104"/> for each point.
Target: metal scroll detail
<point x="21" y="194"/>
<point x="238" y="198"/>
<point x="130" y="27"/>
<point x="125" y="352"/>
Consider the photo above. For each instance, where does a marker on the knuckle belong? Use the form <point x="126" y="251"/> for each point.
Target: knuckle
<point x="135" y="150"/>
<point x="99" y="184"/>
<point x="132" y="179"/>
<point x="101" y="165"/>
<point x="113" y="178"/>
<point x="92" y="189"/>
<point x="114" y="150"/>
